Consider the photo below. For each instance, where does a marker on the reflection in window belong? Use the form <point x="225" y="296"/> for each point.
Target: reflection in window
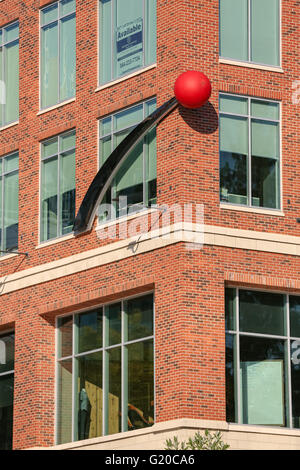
<point x="250" y="30"/>
<point x="108" y="368"/>
<point x="58" y="186"/>
<point x="9" y="202"/>
<point x="249" y="152"/>
<point x="9" y="74"/>
<point x="128" y="37"/>
<point x="58" y="52"/>
<point x="262" y="358"/>
<point x="134" y="186"/>
<point x="7" y="347"/>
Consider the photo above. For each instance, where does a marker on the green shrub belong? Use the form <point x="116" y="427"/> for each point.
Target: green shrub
<point x="208" y="441"/>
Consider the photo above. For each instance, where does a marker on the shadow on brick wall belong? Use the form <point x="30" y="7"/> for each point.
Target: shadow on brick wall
<point x="204" y="120"/>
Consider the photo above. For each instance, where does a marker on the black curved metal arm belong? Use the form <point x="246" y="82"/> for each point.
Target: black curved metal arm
<point x="100" y="184"/>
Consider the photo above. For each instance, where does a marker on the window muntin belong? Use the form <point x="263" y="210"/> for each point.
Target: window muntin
<point x="250" y="31"/>
<point x="9" y="202"/>
<point x="9" y="74"/>
<point x="134" y="186"/>
<point x="262" y="358"/>
<point x="249" y="151"/>
<point x="7" y="347"/>
<point x="57" y="186"/>
<point x="106" y="386"/>
<point x="58" y="52"/>
<point x="127" y="37"/>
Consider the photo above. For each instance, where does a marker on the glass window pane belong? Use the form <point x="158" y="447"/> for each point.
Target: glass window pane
<point x="67" y="141"/>
<point x="150" y="21"/>
<point x="234" y="29"/>
<point x="11" y="162"/>
<point x="129" y="179"/>
<point x="49" y="227"/>
<point x="67" y="66"/>
<point x="49" y="65"/>
<point x="6" y="411"/>
<point x="64" y="404"/>
<point x="230" y="309"/>
<point x="89" y="397"/>
<point x="106" y="40"/>
<point x="295" y="316"/>
<point x="265" y="139"/>
<point x="7" y="352"/>
<point x="49" y="14"/>
<point x="234" y="134"/>
<point x="11" y="59"/>
<point x="50" y="148"/>
<point x="11" y="211"/>
<point x="231" y="382"/>
<point x="261" y="312"/>
<point x="265" y="31"/>
<point x="234" y="105"/>
<point x="11" y="32"/>
<point x="295" y="383"/>
<point x="262" y="391"/>
<point x="105" y="149"/>
<point x="89" y="331"/>
<point x="2" y="86"/>
<point x="1" y="216"/>
<point x="264" y="109"/>
<point x="115" y="391"/>
<point x="65" y="336"/>
<point x="140" y="317"/>
<point x="128" y="118"/>
<point x="105" y="126"/>
<point x="67" y="6"/>
<point x="265" y="182"/>
<point x="140" y="385"/>
<point x="113" y="316"/>
<point x="67" y="192"/>
<point x="129" y="32"/>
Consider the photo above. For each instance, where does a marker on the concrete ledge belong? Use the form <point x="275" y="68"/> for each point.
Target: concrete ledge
<point x="239" y="437"/>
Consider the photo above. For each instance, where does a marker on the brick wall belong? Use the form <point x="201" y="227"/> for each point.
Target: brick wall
<point x="189" y="286"/>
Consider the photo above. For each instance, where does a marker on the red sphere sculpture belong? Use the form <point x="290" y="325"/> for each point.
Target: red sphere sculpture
<point x="192" y="89"/>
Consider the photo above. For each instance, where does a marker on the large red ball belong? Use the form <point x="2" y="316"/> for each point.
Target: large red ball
<point x="192" y="89"/>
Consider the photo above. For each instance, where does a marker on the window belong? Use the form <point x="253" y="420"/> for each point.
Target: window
<point x="249" y="152"/>
<point x="134" y="186"/>
<point x="58" y="186"/>
<point x="9" y="74"/>
<point x="250" y="30"/>
<point x="9" y="202"/>
<point x="7" y="347"/>
<point x="58" y="52"/>
<point x="106" y="370"/>
<point x="127" y="37"/>
<point x="262" y="358"/>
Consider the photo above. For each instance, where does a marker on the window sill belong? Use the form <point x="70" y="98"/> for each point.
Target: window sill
<point x="127" y="77"/>
<point x="251" y="65"/>
<point x="7" y="126"/>
<point x="121" y="220"/>
<point x="63" y="103"/>
<point x="53" y="241"/>
<point x="8" y="256"/>
<point x="255" y="210"/>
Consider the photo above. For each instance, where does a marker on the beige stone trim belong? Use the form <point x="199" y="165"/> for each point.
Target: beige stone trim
<point x="239" y="437"/>
<point x="119" y="250"/>
<point x="251" y="65"/>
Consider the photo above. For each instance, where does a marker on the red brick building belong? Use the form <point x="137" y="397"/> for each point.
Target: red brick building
<point x="127" y="340"/>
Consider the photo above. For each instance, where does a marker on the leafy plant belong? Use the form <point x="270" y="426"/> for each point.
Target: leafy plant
<point x="208" y="441"/>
